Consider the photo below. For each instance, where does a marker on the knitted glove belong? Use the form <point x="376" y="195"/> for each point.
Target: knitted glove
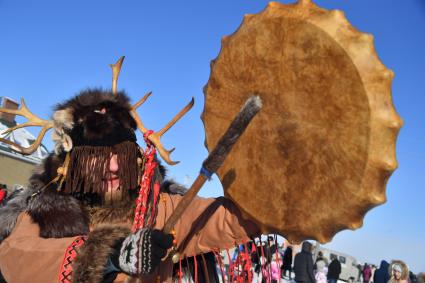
<point x="142" y="251"/>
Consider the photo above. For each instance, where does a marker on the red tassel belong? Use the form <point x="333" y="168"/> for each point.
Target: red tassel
<point x="269" y="279"/>
<point x="220" y="263"/>
<point x="248" y="263"/>
<point x="277" y="254"/>
<point x="262" y="266"/>
<point x="156" y="189"/>
<point x="253" y="247"/>
<point x="231" y="271"/>
<point x="196" y="269"/>
<point x="180" y="271"/>
<point x="236" y="266"/>
<point x="145" y="185"/>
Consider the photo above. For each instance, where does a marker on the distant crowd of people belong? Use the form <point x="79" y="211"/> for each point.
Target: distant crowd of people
<point x="321" y="272"/>
<point x="271" y="264"/>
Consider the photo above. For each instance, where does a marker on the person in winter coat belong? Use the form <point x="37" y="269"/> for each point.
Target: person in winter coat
<point x="287" y="262"/>
<point x="334" y="269"/>
<point x="367" y="273"/>
<point x="399" y="272"/>
<point x="321" y="269"/>
<point x="89" y="216"/>
<point x="320" y="277"/>
<point x="303" y="264"/>
<point x="382" y="275"/>
<point x="275" y="268"/>
<point x="421" y="277"/>
<point x="271" y="273"/>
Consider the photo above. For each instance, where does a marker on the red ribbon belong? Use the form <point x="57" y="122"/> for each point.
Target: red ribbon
<point x="145" y="187"/>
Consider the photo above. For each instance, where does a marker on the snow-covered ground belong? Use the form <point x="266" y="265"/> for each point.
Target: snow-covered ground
<point x="258" y="279"/>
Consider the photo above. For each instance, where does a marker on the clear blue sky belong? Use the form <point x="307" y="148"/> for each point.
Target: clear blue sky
<point x="49" y="50"/>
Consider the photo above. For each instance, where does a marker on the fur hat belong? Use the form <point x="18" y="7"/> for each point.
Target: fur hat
<point x="94" y="117"/>
<point x="90" y="127"/>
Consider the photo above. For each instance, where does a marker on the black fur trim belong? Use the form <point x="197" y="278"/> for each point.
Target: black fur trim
<point x="113" y="138"/>
<point x="46" y="171"/>
<point x="89" y="265"/>
<point x="100" y="118"/>
<point x="10" y="211"/>
<point x="2" y="280"/>
<point x="58" y="215"/>
<point x="162" y="169"/>
<point x="171" y="187"/>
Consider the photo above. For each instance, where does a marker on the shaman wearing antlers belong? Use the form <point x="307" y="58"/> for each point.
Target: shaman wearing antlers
<point x="94" y="209"/>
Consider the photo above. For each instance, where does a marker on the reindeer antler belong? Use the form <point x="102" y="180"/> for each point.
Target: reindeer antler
<point x="116" y="68"/>
<point x="33" y="120"/>
<point x="155" y="138"/>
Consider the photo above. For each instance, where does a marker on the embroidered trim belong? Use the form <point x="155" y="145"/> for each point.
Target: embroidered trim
<point x="65" y="274"/>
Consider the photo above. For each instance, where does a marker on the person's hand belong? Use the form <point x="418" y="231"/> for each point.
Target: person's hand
<point x="142" y="251"/>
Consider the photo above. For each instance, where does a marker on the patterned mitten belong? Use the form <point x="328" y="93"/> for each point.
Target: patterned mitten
<point x="142" y="251"/>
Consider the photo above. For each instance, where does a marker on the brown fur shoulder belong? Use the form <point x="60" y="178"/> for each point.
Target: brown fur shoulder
<point x="58" y="215"/>
<point x="89" y="265"/>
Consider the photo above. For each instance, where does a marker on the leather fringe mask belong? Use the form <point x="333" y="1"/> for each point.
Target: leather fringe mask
<point x="89" y="166"/>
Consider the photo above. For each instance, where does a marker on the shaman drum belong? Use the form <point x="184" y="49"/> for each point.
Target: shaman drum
<point x="319" y="154"/>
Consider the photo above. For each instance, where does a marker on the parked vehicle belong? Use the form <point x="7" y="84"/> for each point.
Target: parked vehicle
<point x="349" y="269"/>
